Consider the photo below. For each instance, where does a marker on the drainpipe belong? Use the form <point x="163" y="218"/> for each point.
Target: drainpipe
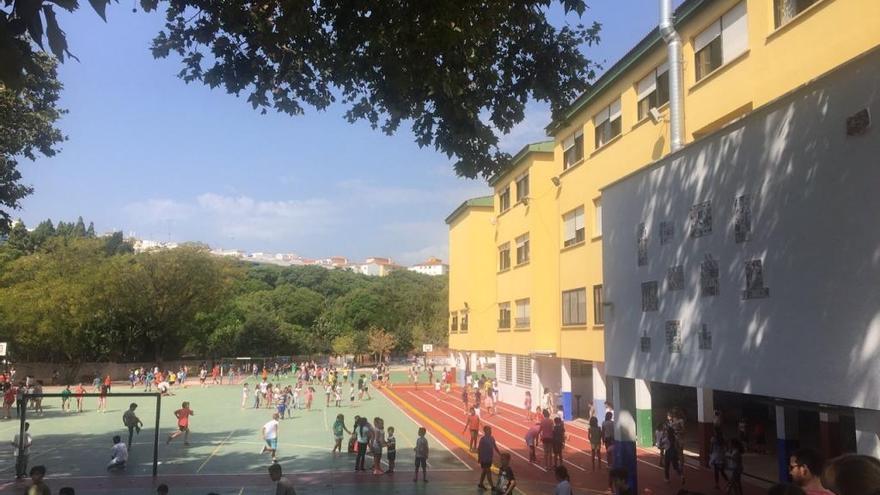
<point x="673" y="43"/>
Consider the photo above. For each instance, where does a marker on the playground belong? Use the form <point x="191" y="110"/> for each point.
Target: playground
<point x="223" y="455"/>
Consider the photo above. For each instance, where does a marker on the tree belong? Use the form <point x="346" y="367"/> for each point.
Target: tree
<point x="343" y="345"/>
<point x="27" y="125"/>
<point x="458" y="72"/>
<point x="380" y="342"/>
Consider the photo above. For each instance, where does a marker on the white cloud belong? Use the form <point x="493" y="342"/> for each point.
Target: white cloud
<point x="160" y="210"/>
<point x="363" y="192"/>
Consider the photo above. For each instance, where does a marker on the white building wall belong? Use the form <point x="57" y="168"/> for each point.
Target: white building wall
<point x="814" y="194"/>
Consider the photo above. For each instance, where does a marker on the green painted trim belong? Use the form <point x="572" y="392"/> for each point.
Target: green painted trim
<point x="644" y="428"/>
<point x="481" y="202"/>
<point x="649" y="42"/>
<point x="539" y="147"/>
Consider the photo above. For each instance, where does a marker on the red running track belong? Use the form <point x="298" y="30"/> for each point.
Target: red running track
<point x="509" y="427"/>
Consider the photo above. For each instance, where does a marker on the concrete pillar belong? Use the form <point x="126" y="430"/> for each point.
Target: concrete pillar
<point x="786" y="438"/>
<point x="565" y="390"/>
<point x="829" y="434"/>
<point x="644" y="414"/>
<point x="705" y="422"/>
<point x="624" y="392"/>
<point x="599" y="392"/>
<point x="868" y="432"/>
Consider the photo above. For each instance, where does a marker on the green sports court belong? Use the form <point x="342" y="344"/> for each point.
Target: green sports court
<point x="225" y="447"/>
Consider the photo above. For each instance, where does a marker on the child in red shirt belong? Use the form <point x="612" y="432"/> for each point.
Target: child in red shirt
<point x="182" y="416"/>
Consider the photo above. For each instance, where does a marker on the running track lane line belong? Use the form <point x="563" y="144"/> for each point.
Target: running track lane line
<point x="216" y="449"/>
<point x="468" y="448"/>
<point x="494" y="425"/>
<point x="455" y="440"/>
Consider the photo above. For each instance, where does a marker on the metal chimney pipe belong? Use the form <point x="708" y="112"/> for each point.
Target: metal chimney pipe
<point x="676" y="87"/>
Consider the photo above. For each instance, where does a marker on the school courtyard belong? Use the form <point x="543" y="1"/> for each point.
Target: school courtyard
<point x="224" y="455"/>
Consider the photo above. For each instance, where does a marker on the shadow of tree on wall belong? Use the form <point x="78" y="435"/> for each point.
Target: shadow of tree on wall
<point x="813" y="197"/>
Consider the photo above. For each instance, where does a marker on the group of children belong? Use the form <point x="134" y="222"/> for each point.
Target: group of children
<point x="369" y="437"/>
<point x="483" y="393"/>
<point x="302" y="395"/>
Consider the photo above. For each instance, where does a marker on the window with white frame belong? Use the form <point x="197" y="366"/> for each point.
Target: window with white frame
<point x="505" y="363"/>
<point x="522" y="187"/>
<point x="786" y="10"/>
<point x="607" y="123"/>
<point x="597" y="222"/>
<point x="504" y="257"/>
<point x="574" y="307"/>
<point x="523" y="313"/>
<point x="573" y="149"/>
<point x="573" y="227"/>
<point x="522" y="249"/>
<point x="722" y="41"/>
<point x="504" y="316"/>
<point x="504" y="199"/>
<point x="524" y="371"/>
<point x="653" y="90"/>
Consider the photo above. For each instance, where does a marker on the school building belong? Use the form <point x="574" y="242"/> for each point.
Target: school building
<point x="694" y="233"/>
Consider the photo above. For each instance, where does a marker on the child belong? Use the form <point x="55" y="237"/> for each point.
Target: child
<point x="80" y="390"/>
<point x="352" y="441"/>
<point x="528" y="405"/>
<point x="378" y="444"/>
<point x="310" y="396"/>
<point x="594" y="434"/>
<point x="472" y="423"/>
<point x="490" y="405"/>
<point x="282" y="405"/>
<point x="244" y="394"/>
<point x="337" y="395"/>
<point x="464" y="398"/>
<point x="421" y="451"/>
<point x="531" y="440"/>
<point x="437" y="388"/>
<point x="297" y="403"/>
<point x="257" y="395"/>
<point x="391" y="444"/>
<point x="182" y="416"/>
<point x="65" y="399"/>
<point x="558" y="441"/>
<point x="351" y="393"/>
<point x="327" y="392"/>
<point x="119" y="454"/>
<point x="478" y="398"/>
<point x="338" y="430"/>
<point x="506" y="479"/>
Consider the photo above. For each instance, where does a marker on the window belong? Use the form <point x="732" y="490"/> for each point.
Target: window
<point x="755" y="288"/>
<point x="504" y="199"/>
<point x="722" y="41"/>
<point x="742" y="223"/>
<point x="786" y="10"/>
<point x="573" y="149"/>
<point x="598" y="305"/>
<point x="650" y="297"/>
<point x="522" y="249"/>
<point x="505" y="363"/>
<point x="524" y="371"/>
<point x="653" y="90"/>
<point x="709" y="283"/>
<point x="523" y="313"/>
<point x="574" y="307"/>
<point x="522" y="187"/>
<point x="464" y="322"/>
<point x="700" y="217"/>
<point x="504" y="315"/>
<point x="453" y="326"/>
<point x="607" y="123"/>
<point x="597" y="222"/>
<point x="504" y="257"/>
<point x="573" y="227"/>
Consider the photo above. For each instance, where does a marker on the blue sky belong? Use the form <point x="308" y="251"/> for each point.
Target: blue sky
<point x="151" y="155"/>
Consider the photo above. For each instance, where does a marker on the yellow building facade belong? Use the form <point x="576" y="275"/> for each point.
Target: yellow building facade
<point x="738" y="55"/>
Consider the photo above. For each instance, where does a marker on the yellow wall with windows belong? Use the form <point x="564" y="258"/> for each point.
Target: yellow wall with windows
<point x="472" y="277"/>
<point x="775" y="61"/>
<point x="537" y="279"/>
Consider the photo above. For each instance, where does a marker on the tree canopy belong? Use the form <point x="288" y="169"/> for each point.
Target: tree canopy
<point x="458" y="72"/>
<point x="68" y="295"/>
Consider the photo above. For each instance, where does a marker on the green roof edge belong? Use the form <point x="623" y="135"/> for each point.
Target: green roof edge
<point x="538" y="147"/>
<point x="482" y="201"/>
<point x="650" y="41"/>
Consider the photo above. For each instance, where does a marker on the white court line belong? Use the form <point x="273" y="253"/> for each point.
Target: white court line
<point x="469" y="468"/>
<point x="496" y="440"/>
<point x="217" y="449"/>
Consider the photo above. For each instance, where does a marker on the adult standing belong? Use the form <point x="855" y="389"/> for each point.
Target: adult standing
<point x="547" y="438"/>
<point x="486" y="452"/>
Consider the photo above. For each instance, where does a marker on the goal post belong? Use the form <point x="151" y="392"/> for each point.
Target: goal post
<point x="158" y="396"/>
